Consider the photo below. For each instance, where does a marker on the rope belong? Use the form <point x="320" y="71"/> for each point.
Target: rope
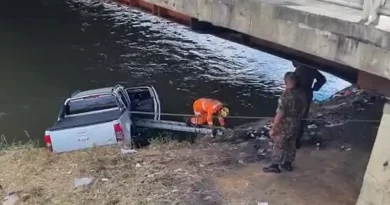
<point x="252" y="117"/>
<point x="233" y="117"/>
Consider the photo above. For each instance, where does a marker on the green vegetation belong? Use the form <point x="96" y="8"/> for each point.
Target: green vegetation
<point x="7" y="145"/>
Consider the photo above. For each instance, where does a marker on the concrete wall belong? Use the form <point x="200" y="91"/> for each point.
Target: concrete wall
<point x="349" y="44"/>
<point x="376" y="185"/>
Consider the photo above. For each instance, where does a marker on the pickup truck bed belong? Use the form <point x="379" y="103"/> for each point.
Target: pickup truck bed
<point x="86" y="120"/>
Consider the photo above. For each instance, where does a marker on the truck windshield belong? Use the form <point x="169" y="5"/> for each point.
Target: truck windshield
<point x="91" y="103"/>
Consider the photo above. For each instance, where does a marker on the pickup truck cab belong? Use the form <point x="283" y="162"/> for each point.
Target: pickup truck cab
<point x="101" y="117"/>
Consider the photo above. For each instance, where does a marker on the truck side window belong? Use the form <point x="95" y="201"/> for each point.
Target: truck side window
<point x="123" y="98"/>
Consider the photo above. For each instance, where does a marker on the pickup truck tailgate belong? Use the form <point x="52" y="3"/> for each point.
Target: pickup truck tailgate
<point x="83" y="137"/>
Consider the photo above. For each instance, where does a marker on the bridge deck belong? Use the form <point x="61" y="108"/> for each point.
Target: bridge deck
<point x="319" y="33"/>
<point x="330" y="10"/>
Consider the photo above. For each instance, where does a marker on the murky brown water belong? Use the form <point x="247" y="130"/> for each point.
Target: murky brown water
<point x="49" y="53"/>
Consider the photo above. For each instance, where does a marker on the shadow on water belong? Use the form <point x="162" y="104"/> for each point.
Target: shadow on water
<point x="56" y="48"/>
<point x="164" y="137"/>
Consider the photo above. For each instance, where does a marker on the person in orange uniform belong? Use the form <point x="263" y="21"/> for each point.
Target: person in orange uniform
<point x="205" y="109"/>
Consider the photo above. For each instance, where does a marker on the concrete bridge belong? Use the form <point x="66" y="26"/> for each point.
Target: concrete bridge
<point x="316" y="33"/>
<point x="320" y="34"/>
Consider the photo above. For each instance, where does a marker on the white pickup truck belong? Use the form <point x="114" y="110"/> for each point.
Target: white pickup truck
<point x="100" y="117"/>
<point x="107" y="116"/>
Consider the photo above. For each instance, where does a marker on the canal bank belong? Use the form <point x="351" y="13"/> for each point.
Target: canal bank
<point x="210" y="171"/>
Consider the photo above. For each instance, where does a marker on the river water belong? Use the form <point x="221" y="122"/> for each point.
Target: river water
<point x="57" y="49"/>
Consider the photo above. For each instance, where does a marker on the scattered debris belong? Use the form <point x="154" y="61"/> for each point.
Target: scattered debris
<point x="261" y="151"/>
<point x="244" y="144"/>
<point x="262" y="138"/>
<point x="262" y="203"/>
<point x="128" y="151"/>
<point x="243" y="154"/>
<point x="105" y="180"/>
<point x="332" y="107"/>
<point x="138" y="165"/>
<point x="336" y="95"/>
<point x="208" y="198"/>
<point x="345" y="148"/>
<point x="347" y="93"/>
<point x="253" y="134"/>
<point x="11" y="199"/>
<point x="69" y="172"/>
<point x="220" y="133"/>
<point x="312" y="126"/>
<point x="179" y="170"/>
<point x="84" y="181"/>
<point x="215" y="91"/>
<point x="175" y="190"/>
<point x="335" y="124"/>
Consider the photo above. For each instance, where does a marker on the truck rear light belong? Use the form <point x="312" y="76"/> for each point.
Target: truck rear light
<point x="48" y="142"/>
<point x="119" y="132"/>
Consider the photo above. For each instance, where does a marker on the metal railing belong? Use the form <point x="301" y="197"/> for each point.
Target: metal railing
<point x="358" y="4"/>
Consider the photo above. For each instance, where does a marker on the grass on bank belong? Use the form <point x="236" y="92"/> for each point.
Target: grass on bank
<point x="154" y="175"/>
<point x="7" y="145"/>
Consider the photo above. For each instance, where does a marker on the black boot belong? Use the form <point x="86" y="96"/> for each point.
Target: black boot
<point x="273" y="168"/>
<point x="287" y="166"/>
<point x="298" y="144"/>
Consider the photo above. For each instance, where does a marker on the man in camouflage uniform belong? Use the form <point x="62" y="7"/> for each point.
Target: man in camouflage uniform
<point x="306" y="77"/>
<point x="291" y="107"/>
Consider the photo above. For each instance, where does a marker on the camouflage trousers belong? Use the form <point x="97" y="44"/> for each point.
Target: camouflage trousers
<point x="284" y="148"/>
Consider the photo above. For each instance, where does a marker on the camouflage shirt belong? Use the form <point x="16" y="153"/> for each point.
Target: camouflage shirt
<point x="293" y="104"/>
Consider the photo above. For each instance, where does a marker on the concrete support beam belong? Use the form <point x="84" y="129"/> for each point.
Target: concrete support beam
<point x="376" y="185"/>
<point x="373" y="82"/>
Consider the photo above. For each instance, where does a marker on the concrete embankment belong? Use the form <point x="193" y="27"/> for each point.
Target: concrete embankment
<point x="210" y="171"/>
<point x="342" y="118"/>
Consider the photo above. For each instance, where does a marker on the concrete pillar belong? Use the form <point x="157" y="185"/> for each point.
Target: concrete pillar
<point x="376" y="185"/>
<point x="373" y="82"/>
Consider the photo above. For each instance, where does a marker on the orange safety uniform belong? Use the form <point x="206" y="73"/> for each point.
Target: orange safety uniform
<point x="204" y="109"/>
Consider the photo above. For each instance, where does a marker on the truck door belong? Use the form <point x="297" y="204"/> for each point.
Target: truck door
<point x="144" y="99"/>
